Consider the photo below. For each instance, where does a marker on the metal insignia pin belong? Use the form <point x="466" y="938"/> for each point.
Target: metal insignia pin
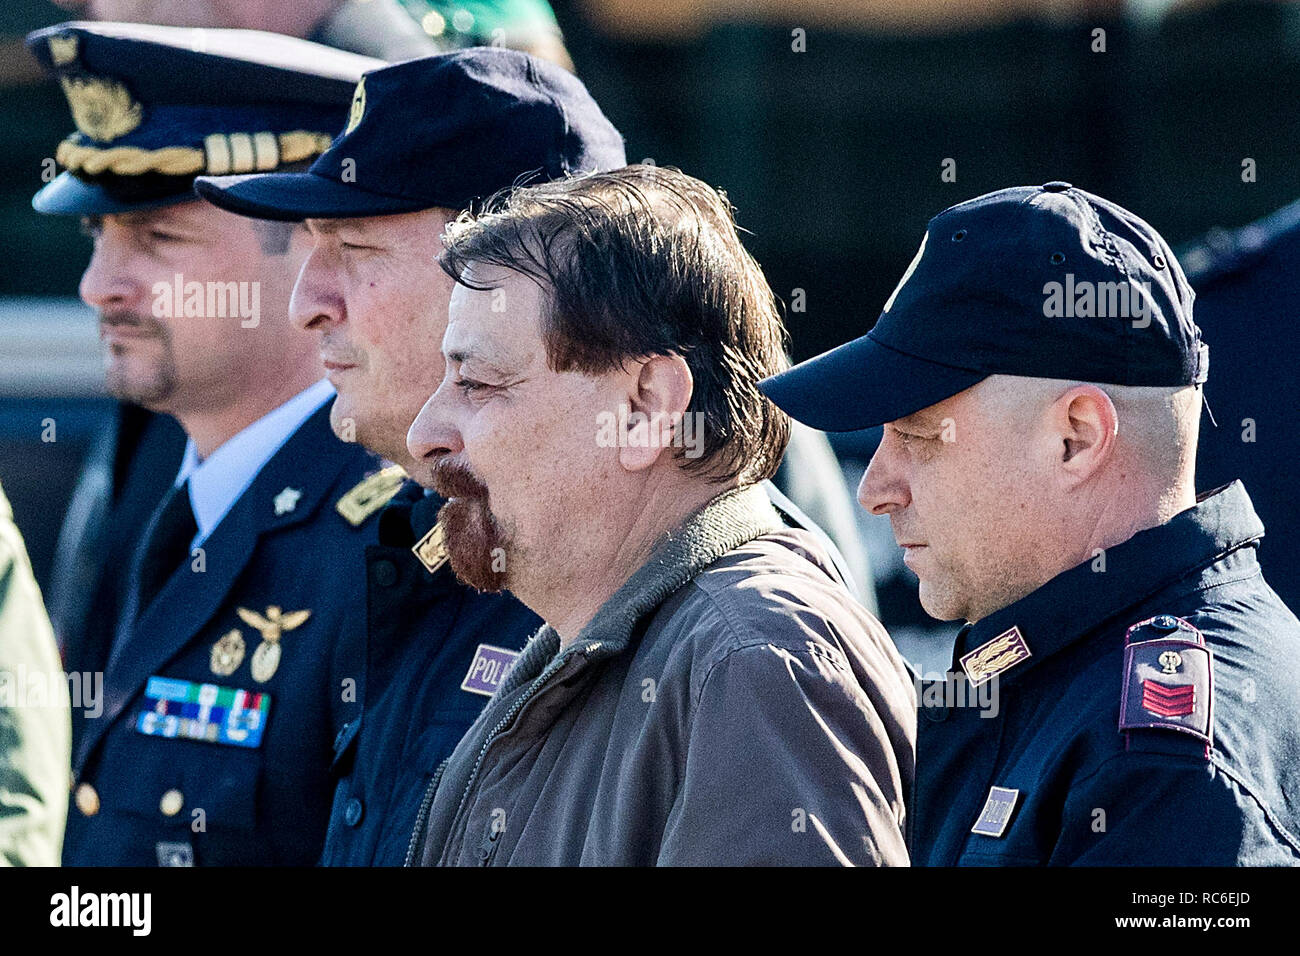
<point x="228" y="653"/>
<point x="287" y="500"/>
<point x="266" y="658"/>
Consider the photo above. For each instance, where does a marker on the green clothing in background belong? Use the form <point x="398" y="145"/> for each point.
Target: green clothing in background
<point x="35" y="731"/>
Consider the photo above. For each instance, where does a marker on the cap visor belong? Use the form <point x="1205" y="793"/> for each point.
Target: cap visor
<point x="66" y="195"/>
<point x="292" y="197"/>
<point x="862" y="384"/>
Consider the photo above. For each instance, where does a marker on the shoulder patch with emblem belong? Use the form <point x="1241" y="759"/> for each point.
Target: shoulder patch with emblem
<point x="370" y="494"/>
<point x="1168" y="678"/>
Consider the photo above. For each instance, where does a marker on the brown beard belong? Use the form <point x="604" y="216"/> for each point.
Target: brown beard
<point x="154" y="390"/>
<point x="475" y="542"/>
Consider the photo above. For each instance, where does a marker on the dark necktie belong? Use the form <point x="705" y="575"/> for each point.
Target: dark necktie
<point x="168" y="545"/>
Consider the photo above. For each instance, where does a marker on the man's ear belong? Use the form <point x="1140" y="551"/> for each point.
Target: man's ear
<point x="659" y="395"/>
<point x="1087" y="424"/>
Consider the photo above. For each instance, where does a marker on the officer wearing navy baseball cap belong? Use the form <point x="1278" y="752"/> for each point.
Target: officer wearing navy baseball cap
<point x="424" y="139"/>
<point x="217" y="625"/>
<point x="441" y="132"/>
<point x="1114" y="696"/>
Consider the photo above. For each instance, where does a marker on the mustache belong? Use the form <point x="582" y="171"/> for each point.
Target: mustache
<point x="342" y="353"/>
<point x="132" y="320"/>
<point x="451" y="479"/>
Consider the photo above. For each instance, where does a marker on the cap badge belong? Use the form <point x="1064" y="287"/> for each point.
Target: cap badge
<point x="358" y="106"/>
<point x="102" y="109"/>
<point x="63" y="48"/>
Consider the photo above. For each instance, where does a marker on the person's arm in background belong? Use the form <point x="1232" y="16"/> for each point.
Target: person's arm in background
<point x="35" y="728"/>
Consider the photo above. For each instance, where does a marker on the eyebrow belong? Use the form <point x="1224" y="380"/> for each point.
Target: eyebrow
<point x="917" y="420"/>
<point x="462" y="355"/>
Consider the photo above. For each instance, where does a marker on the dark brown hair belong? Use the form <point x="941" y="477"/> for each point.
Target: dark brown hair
<point x="639" y="262"/>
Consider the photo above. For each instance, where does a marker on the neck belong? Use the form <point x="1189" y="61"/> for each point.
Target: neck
<point x="1128" y="509"/>
<point x="210" y="428"/>
<point x="569" y="605"/>
<point x="1110" y="517"/>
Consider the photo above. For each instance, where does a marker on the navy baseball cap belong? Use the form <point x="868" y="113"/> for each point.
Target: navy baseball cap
<point x="156" y="106"/>
<point x="441" y="130"/>
<point x="1038" y="281"/>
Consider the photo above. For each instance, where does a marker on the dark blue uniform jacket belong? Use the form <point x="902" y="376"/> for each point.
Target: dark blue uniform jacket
<point x="144" y="799"/>
<point x="423" y="633"/>
<point x="1097" y="769"/>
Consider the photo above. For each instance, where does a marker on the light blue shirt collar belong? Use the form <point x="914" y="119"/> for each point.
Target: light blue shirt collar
<point x="219" y="480"/>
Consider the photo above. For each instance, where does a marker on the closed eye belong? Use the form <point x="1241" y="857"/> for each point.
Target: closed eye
<point x="910" y="438"/>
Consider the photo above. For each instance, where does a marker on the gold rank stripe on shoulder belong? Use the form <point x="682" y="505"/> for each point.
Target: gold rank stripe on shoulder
<point x="432" y="548"/>
<point x="1000" y="654"/>
<point x="371" y="494"/>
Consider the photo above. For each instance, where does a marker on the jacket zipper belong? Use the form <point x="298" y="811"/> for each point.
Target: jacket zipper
<point x="546" y="674"/>
<point x="422" y="817"/>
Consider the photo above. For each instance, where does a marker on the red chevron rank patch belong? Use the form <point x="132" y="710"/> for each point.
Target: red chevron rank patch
<point x="1166" y="701"/>
<point x="1168" y="679"/>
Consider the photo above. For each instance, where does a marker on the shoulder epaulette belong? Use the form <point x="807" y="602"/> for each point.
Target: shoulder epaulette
<point x="1168" y="679"/>
<point x="370" y="494"/>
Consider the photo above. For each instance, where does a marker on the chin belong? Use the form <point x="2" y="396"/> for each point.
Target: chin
<point x="343" y="420"/>
<point x="940" y="606"/>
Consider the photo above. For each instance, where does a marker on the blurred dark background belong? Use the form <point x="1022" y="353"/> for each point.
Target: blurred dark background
<point x="834" y="156"/>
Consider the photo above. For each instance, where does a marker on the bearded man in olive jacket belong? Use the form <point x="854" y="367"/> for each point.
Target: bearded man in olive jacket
<point x="705" y="690"/>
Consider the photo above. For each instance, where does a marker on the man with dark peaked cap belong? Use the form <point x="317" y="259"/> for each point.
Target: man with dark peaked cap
<point x="1124" y="690"/>
<point x="228" y="667"/>
<point x="132" y="461"/>
<point x="377" y="203"/>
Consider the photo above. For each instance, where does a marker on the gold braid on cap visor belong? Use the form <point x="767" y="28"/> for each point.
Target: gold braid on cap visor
<point x="222" y="154"/>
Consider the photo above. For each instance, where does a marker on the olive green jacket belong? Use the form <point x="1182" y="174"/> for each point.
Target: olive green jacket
<point x="731" y="704"/>
<point x="35" y="727"/>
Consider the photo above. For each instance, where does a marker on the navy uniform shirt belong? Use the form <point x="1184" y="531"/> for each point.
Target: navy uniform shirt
<point x="435" y="651"/>
<point x="255" y="787"/>
<point x="1247" y="286"/>
<point x="1162" y="754"/>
